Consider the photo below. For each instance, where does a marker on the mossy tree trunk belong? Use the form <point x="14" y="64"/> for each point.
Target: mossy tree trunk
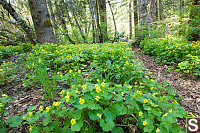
<point x="41" y="21"/>
<point x="103" y="19"/>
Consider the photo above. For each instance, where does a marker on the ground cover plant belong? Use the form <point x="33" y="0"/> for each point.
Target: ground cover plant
<point x="174" y="50"/>
<point x="107" y="89"/>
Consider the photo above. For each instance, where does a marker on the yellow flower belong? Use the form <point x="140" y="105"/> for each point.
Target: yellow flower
<point x="41" y="108"/>
<point x="62" y="92"/>
<point x="79" y="71"/>
<point x="76" y="91"/>
<point x="1" y="69"/>
<point x="170" y="111"/>
<point x="122" y="93"/>
<point x="155" y="105"/>
<point x="141" y="83"/>
<point x="140" y="113"/>
<point x="149" y="108"/>
<point x="114" y="93"/>
<point x="33" y="64"/>
<point x="98" y="89"/>
<point x="133" y="95"/>
<point x="158" y="130"/>
<point x="70" y="71"/>
<point x="152" y="104"/>
<point x="120" y="85"/>
<point x="61" y="75"/>
<point x="84" y="87"/>
<point x="56" y="103"/>
<point x="135" y="83"/>
<point x="39" y="60"/>
<point x="145" y="123"/>
<point x="47" y="109"/>
<point x="129" y="87"/>
<point x="63" y="108"/>
<point x="72" y="86"/>
<point x="98" y="80"/>
<point x="73" y="121"/>
<point x="165" y="114"/>
<point x="154" y="94"/>
<point x="97" y="98"/>
<point x="145" y="100"/>
<point x="67" y="98"/>
<point x="4" y="95"/>
<point x="24" y="118"/>
<point x="1" y="105"/>
<point x="102" y="84"/>
<point x="30" y="128"/>
<point x="81" y="101"/>
<point x="96" y="86"/>
<point x="30" y="114"/>
<point x="99" y="116"/>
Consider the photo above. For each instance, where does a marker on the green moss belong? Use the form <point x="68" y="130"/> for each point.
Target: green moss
<point x="47" y="23"/>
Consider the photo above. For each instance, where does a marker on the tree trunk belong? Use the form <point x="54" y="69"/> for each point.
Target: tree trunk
<point x="97" y="20"/>
<point x="93" y="21"/>
<point x="152" y="13"/>
<point x="103" y="18"/>
<point x="113" y="16"/>
<point x="181" y="4"/>
<point x="142" y="8"/>
<point x="160" y="9"/>
<point x="52" y="14"/>
<point x="135" y="17"/>
<point x="19" y="20"/>
<point x="41" y="21"/>
<point x="130" y="20"/>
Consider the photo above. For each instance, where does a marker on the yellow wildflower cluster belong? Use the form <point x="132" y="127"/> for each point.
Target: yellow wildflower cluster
<point x="81" y="101"/>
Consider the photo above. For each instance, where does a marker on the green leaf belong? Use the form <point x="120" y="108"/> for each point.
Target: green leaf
<point x="32" y="108"/>
<point x="93" y="106"/>
<point x="77" y="126"/>
<point x="107" y="126"/>
<point x="77" y="114"/>
<point x="15" y="121"/>
<point x="117" y="130"/>
<point x="2" y="130"/>
<point x="46" y="120"/>
<point x="93" y="115"/>
<point x="108" y="115"/>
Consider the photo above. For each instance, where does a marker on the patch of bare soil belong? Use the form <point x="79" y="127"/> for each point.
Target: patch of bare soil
<point x="187" y="86"/>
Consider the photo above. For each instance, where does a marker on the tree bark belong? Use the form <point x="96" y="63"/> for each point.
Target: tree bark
<point x="41" y="21"/>
<point x="135" y="17"/>
<point x="142" y="8"/>
<point x="130" y="20"/>
<point x="19" y="20"/>
<point x="113" y="20"/>
<point x="160" y="9"/>
<point x="103" y="18"/>
<point x="152" y="13"/>
<point x="93" y="21"/>
<point x="97" y="21"/>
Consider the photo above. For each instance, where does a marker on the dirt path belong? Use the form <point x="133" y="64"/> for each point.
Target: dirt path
<point x="187" y="86"/>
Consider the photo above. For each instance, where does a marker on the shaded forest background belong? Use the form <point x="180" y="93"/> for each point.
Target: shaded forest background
<point x="94" y="21"/>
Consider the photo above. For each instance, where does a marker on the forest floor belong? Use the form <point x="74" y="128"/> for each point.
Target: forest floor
<point x="188" y="87"/>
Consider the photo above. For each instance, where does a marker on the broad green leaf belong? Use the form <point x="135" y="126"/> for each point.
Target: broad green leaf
<point x="15" y="121"/>
<point x="107" y="126"/>
<point x="77" y="126"/>
<point x="46" y="120"/>
<point x="32" y="108"/>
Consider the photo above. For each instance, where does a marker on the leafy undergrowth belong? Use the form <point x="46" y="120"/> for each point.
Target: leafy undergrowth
<point x="168" y="50"/>
<point x="108" y="89"/>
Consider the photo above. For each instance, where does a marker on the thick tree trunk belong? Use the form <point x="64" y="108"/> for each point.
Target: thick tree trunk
<point x="160" y="9"/>
<point x="135" y="17"/>
<point x="42" y="22"/>
<point x="19" y="20"/>
<point x="130" y="20"/>
<point x="103" y="18"/>
<point x="152" y="13"/>
<point x="142" y="8"/>
<point x="52" y="14"/>
<point x="98" y="23"/>
<point x="181" y="4"/>
<point x="93" y="21"/>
